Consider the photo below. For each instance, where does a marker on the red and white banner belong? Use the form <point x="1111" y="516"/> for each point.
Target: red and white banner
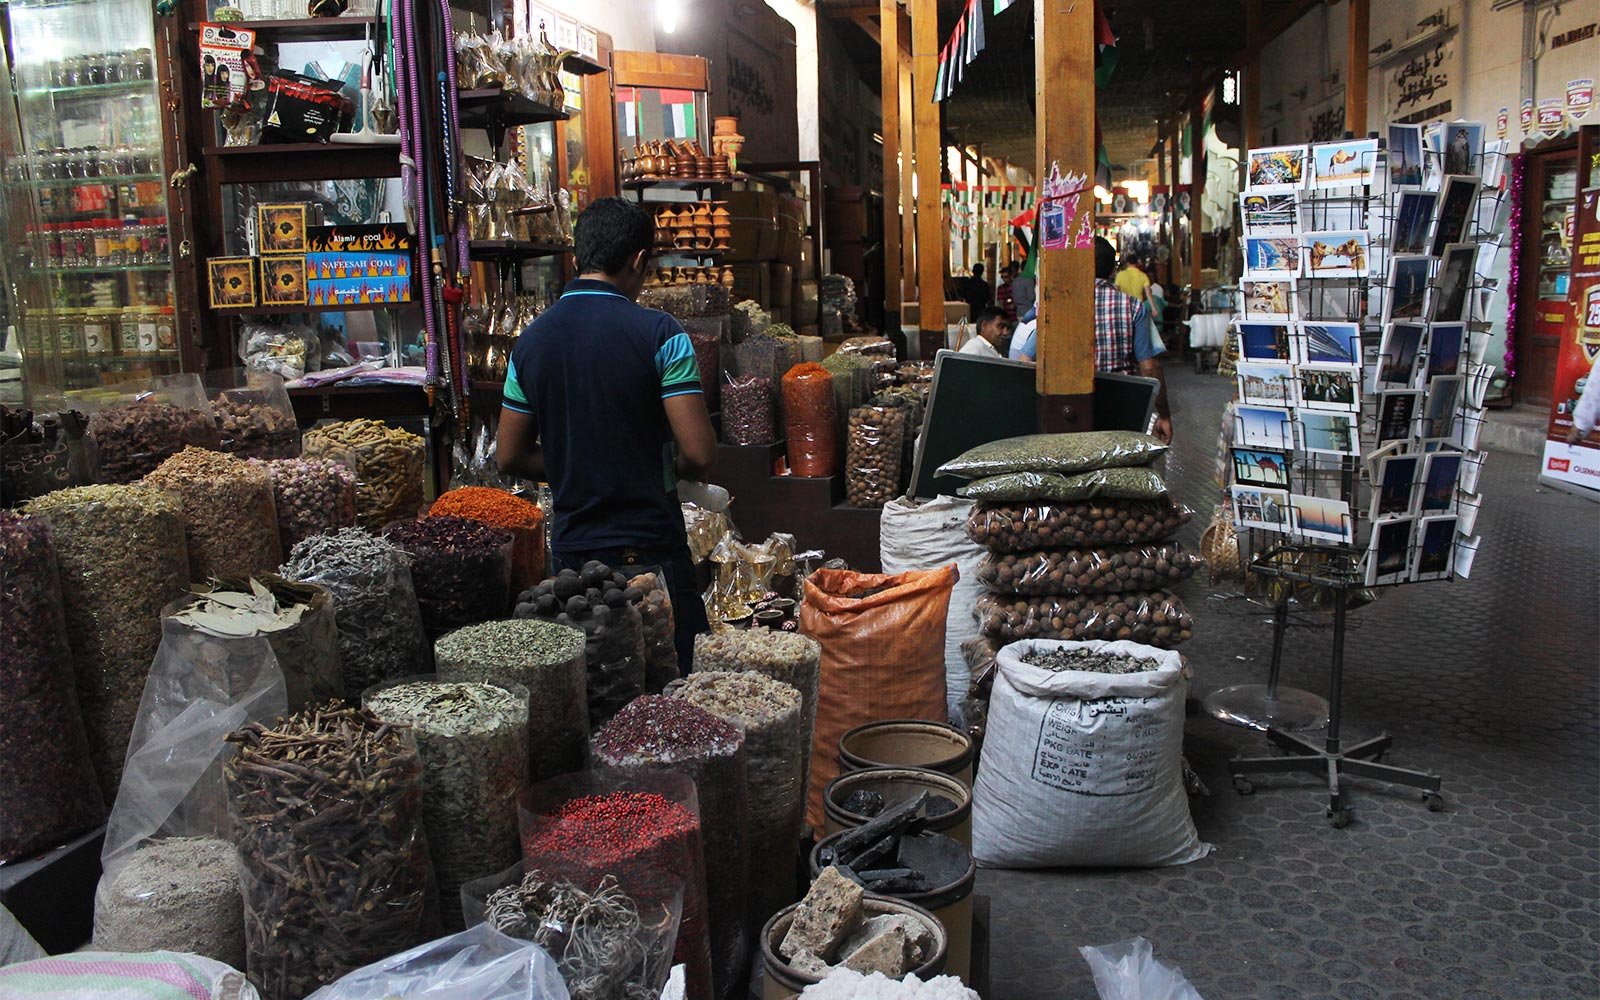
<point x="1580" y="345"/>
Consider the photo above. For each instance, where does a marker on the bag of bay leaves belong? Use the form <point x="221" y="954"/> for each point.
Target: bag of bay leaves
<point x="170" y="870"/>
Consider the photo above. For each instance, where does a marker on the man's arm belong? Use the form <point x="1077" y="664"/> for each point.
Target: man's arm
<point x="691" y="429"/>
<point x="1147" y="350"/>
<point x="516" y="449"/>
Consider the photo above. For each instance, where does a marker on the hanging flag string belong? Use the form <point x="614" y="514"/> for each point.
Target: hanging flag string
<point x="963" y="46"/>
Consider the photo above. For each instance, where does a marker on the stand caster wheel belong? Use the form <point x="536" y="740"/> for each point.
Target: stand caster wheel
<point x="1339" y="818"/>
<point x="1243" y="785"/>
<point x="1434" y="801"/>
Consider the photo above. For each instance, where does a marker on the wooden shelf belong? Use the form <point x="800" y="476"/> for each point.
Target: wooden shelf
<point x="340" y="401"/>
<point x="513" y="250"/>
<point x="679" y="183"/>
<point x="695" y="254"/>
<point x="302" y="161"/>
<point x="308" y="29"/>
<point x="582" y="66"/>
<point x="497" y="109"/>
<point x="291" y="310"/>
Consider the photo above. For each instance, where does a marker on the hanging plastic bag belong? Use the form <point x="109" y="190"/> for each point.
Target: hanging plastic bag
<point x="480" y="963"/>
<point x="811" y="421"/>
<point x="1128" y="970"/>
<point x="108" y="975"/>
<point x="200" y="688"/>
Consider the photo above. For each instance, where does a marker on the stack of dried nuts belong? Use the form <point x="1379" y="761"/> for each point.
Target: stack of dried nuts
<point x="129" y="440"/>
<point x="252" y="428"/>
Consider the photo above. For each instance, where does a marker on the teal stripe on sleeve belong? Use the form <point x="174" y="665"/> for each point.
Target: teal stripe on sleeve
<point x="512" y="395"/>
<point x="676" y="364"/>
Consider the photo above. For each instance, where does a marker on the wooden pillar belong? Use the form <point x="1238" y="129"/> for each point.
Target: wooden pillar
<point x="889" y="83"/>
<point x="1355" y="88"/>
<point x="1197" y="183"/>
<point x="1063" y="56"/>
<point x="908" y="211"/>
<point x="931" y="231"/>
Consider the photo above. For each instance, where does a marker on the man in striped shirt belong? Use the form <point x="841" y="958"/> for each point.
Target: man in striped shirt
<point x="603" y="400"/>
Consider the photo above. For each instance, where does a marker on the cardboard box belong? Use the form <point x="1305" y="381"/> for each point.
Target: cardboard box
<point x="760" y="203"/>
<point x="752" y="239"/>
<point x="281" y="228"/>
<point x="232" y="282"/>
<point x="283" y="279"/>
<point x="352" y="265"/>
<point x="780" y="284"/>
<point x="750" y="281"/>
<point x="789" y="243"/>
<point x="804" y="303"/>
<point x="808" y="259"/>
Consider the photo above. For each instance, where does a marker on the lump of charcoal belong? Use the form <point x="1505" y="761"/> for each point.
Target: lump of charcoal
<point x="863" y="802"/>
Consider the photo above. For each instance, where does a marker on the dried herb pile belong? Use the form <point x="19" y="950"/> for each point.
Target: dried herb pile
<point x="326" y="808"/>
<point x="47" y="784"/>
<point x="179" y="894"/>
<point x="387" y="462"/>
<point x="521" y="517"/>
<point x="789" y="657"/>
<point x="128" y="440"/>
<point x="547" y="660"/>
<point x="311" y="496"/>
<point x="461" y="570"/>
<point x="473" y="739"/>
<point x="227" y="503"/>
<point x="374" y="606"/>
<point x="1088" y="661"/>
<point x="122" y="557"/>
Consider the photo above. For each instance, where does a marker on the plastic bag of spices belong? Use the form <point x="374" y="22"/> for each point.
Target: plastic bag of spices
<point x="1113" y="484"/>
<point x="387" y="462"/>
<point x="461" y="570"/>
<point x="661" y="735"/>
<point x="747" y="411"/>
<point x="311" y="496"/>
<point x="505" y="510"/>
<point x="811" y="413"/>
<point x="375" y="610"/>
<point x="660" y="630"/>
<point x="227" y="504"/>
<point x="47" y="785"/>
<point x="1019" y="527"/>
<point x="478" y="964"/>
<point x="1156" y="618"/>
<point x="122" y="557"/>
<point x="1084" y="451"/>
<point x="872" y="455"/>
<point x="256" y="420"/>
<point x="170" y="872"/>
<point x="1101" y="571"/>
<point x="145" y="423"/>
<point x="599" y="601"/>
<point x="333" y="862"/>
<point x="640" y="829"/>
<point x="608" y="944"/>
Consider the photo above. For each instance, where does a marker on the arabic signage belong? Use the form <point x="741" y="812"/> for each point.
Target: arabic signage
<point x="1422" y="83"/>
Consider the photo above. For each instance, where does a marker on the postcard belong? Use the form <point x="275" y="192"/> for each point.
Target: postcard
<point x="1343" y="164"/>
<point x="1471" y="467"/>
<point x="1337" y="254"/>
<point x="1469" y="427"/>
<point x="1462" y="146"/>
<point x="1408" y="286"/>
<point x="1467" y="507"/>
<point x="1457" y="205"/>
<point x="1405" y="155"/>
<point x="1440" y="410"/>
<point x="1394" y="487"/>
<point x="1436" y="543"/>
<point x="1276" y="169"/>
<point x="1456" y="271"/>
<point x="1479" y="378"/>
<point x="1263" y="427"/>
<point x="1331" y="343"/>
<point x="1320" y="519"/>
<point x="1397" y="355"/>
<point x="1389" y="557"/>
<point x="1271" y="258"/>
<point x="1466" y="552"/>
<point x="1261" y="467"/>
<point x="1413" y="222"/>
<point x="1374" y="459"/>
<point x="1329" y="387"/>
<point x="1494" y="164"/>
<point x="1444" y="349"/>
<point x="1397" y="414"/>
<point x="1264" y="341"/>
<point x="1329" y="433"/>
<point x="1267" y="299"/>
<point x="1268" y="383"/>
<point x="1270" y="214"/>
<point x="1267" y="510"/>
<point x="1440" y="474"/>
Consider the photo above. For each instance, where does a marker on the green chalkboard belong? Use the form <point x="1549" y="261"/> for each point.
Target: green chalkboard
<point x="976" y="400"/>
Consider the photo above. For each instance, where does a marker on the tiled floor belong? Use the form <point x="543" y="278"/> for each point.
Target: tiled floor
<point x="1493" y="682"/>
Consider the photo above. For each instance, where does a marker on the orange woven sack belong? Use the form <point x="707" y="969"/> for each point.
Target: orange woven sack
<point x="882" y="656"/>
<point x="811" y="416"/>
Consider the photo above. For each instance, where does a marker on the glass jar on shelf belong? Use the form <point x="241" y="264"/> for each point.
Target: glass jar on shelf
<point x="162" y="241"/>
<point x="69" y="332"/>
<point x="128" y="331"/>
<point x="99" y="331"/>
<point x="167" y="332"/>
<point x="142" y="62"/>
<point x="122" y="159"/>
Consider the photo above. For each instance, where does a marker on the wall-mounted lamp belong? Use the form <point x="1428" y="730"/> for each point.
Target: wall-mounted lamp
<point x="668" y="14"/>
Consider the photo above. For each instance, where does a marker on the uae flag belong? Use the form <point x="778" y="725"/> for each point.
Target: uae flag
<point x="677" y="114"/>
<point x="628" y="110"/>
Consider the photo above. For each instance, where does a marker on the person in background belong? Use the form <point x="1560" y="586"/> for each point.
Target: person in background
<point x="1132" y="280"/>
<point x="1587" y="412"/>
<point x="975" y="292"/>
<point x="1024" y="345"/>
<point x="603" y="400"/>
<point x="1124" y="341"/>
<point x="992" y="331"/>
<point x="1003" y="296"/>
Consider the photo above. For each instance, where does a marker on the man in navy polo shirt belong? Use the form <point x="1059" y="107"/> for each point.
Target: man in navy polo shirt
<point x="603" y="400"/>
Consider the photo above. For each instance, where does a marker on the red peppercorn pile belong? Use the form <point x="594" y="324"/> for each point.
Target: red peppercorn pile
<point x="637" y="837"/>
<point x="521" y="517"/>
<point x="655" y="734"/>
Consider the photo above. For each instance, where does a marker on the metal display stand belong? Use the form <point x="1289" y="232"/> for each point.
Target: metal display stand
<point x="1339" y="575"/>
<point x="1360" y="460"/>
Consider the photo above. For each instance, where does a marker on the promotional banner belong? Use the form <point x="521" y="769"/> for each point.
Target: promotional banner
<point x="1552" y="116"/>
<point x="1580" y="345"/>
<point x="1580" y="98"/>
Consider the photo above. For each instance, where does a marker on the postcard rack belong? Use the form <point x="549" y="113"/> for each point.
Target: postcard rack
<point x="1355" y="456"/>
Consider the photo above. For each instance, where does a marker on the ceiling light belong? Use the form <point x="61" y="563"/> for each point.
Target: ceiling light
<point x="668" y="13"/>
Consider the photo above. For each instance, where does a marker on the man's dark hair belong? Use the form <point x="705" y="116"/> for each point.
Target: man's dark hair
<point x="609" y="232"/>
<point x="977" y="270"/>
<point x="988" y="314"/>
<point x="1105" y="259"/>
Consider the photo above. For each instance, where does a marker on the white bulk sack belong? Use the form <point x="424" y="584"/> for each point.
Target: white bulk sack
<point x="1084" y="769"/>
<point x="928" y="534"/>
